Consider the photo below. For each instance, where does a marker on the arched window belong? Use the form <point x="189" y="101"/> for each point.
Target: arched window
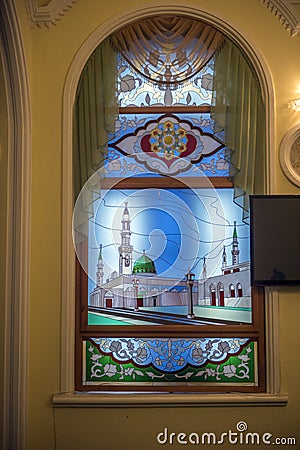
<point x="221" y="295"/>
<point x="239" y="290"/>
<point x="154" y="155"/>
<point x="232" y="290"/>
<point x="213" y="295"/>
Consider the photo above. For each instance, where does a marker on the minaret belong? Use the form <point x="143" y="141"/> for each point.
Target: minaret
<point x="99" y="273"/>
<point x="224" y="258"/>
<point x="204" y="269"/>
<point x="125" y="249"/>
<point x="235" y="247"/>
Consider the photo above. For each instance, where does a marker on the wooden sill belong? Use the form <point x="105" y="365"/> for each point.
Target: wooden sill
<point x="148" y="400"/>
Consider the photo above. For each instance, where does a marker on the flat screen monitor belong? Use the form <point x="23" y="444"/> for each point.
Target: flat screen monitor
<point x="275" y="240"/>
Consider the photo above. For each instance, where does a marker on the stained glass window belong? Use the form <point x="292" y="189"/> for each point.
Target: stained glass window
<point x="136" y="91"/>
<point x="163" y="144"/>
<point x="136" y="361"/>
<point x="164" y="295"/>
<point x="155" y="236"/>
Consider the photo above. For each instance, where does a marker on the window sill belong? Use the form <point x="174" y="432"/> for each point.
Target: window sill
<point x="148" y="400"/>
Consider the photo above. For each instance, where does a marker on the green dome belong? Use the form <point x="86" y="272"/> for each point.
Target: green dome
<point x="144" y="265"/>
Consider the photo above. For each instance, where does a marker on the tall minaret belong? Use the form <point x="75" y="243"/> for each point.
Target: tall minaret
<point x="100" y="271"/>
<point x="235" y="247"/>
<point x="224" y="258"/>
<point x="125" y="249"/>
<point x="204" y="269"/>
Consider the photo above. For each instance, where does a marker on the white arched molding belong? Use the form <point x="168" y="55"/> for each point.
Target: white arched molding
<point x="68" y="256"/>
<point x="15" y="322"/>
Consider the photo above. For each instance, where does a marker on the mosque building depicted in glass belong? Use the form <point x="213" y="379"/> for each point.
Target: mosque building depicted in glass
<point x="137" y="285"/>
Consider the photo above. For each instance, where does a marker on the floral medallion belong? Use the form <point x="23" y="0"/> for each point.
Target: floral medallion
<point x="168" y="145"/>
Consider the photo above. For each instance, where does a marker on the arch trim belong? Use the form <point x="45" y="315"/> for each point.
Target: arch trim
<point x="16" y="320"/>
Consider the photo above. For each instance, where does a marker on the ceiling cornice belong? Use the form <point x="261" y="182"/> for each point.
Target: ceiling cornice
<point x="286" y="12"/>
<point x="50" y="14"/>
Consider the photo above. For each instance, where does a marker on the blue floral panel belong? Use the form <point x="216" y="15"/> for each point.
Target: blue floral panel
<point x="170" y="360"/>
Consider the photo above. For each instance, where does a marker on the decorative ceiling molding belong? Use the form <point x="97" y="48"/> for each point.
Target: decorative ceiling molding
<point x="50" y="14"/>
<point x="287" y="12"/>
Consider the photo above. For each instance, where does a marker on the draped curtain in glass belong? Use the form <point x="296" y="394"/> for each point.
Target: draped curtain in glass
<point x="240" y="122"/>
<point x="167" y="50"/>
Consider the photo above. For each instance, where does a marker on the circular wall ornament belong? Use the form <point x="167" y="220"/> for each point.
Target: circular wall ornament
<point x="290" y="155"/>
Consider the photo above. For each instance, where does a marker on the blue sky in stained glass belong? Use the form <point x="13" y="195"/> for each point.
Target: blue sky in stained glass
<point x="176" y="228"/>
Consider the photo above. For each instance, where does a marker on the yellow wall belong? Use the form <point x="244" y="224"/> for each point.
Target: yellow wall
<point x="49" y="53"/>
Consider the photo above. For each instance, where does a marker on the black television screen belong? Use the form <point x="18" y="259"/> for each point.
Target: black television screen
<point x="275" y="239"/>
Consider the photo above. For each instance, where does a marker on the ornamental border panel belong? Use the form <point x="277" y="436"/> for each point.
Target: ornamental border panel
<point x="231" y="361"/>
